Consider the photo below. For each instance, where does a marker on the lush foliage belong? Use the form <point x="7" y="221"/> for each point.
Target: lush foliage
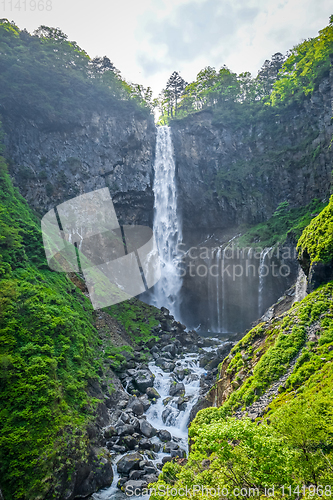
<point x="292" y="445"/>
<point x="46" y="357"/>
<point x="47" y="76"/>
<point x="308" y="63"/>
<point x="49" y="351"/>
<point x="317" y="237"/>
<point x="280" y="81"/>
<point x="137" y="318"/>
<point x="284" y="220"/>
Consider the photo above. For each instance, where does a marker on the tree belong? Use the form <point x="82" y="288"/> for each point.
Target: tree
<point x="50" y="33"/>
<point x="268" y="74"/>
<point x="174" y="90"/>
<point x="102" y="64"/>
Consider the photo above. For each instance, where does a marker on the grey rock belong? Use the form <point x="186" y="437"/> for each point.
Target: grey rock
<point x="136" y="474"/>
<point x="170" y="446"/>
<point x="146" y="444"/>
<point x="178" y="453"/>
<point x="109" y="432"/>
<point x="131" y="486"/>
<point x="147" y="429"/>
<point x="129" y="442"/>
<point x="128" y="463"/>
<point x="145" y="401"/>
<point x="177" y="389"/>
<point x="136" y="406"/>
<point x="125" y="429"/>
<point x="150" y="478"/>
<point x="164" y="435"/>
<point x="143" y="379"/>
<point x="152" y="393"/>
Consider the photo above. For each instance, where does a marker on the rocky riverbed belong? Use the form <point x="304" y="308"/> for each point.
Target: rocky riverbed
<point x="155" y="402"/>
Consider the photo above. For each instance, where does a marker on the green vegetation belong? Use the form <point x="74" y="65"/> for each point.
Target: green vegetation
<point x="49" y="351"/>
<point x="284" y="220"/>
<point x="292" y="444"/>
<point x="235" y="99"/>
<point x="47" y="355"/>
<point x="45" y="76"/>
<point x="317" y="238"/>
<point x="137" y="318"/>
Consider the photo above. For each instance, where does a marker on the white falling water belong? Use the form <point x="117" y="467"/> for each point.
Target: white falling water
<point x="218" y="286"/>
<point x="262" y="274"/>
<point x="167" y="224"/>
<point x="301" y="286"/>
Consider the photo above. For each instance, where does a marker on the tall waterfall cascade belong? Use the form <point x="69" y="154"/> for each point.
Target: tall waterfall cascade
<point x="167" y="224"/>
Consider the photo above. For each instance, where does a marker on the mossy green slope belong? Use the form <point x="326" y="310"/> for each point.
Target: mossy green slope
<point x="49" y="350"/>
<point x="293" y="443"/>
<point x="317" y="238"/>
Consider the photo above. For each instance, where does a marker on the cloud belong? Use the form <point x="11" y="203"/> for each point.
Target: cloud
<point x="195" y="29"/>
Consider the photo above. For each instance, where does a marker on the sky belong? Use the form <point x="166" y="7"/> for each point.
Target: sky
<point x="149" y="39"/>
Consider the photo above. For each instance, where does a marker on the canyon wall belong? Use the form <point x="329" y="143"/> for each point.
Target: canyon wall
<point x="114" y="150"/>
<point x="238" y="173"/>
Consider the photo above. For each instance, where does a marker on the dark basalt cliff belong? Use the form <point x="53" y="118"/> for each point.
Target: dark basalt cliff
<point x="110" y="149"/>
<point x="238" y="173"/>
<point x="228" y="174"/>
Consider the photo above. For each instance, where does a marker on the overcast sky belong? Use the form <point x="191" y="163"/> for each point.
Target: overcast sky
<point x="148" y="39"/>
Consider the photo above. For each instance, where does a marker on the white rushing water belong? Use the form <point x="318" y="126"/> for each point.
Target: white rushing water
<point x="167" y="224"/>
<point x="262" y="274"/>
<point x="165" y="414"/>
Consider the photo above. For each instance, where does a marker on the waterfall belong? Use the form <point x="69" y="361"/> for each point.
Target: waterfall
<point x="218" y="282"/>
<point x="301" y="286"/>
<point x="262" y="276"/>
<point x="167" y="224"/>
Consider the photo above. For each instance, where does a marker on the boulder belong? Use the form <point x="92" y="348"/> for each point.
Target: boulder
<point x="152" y="393"/>
<point x="131" y="486"/>
<point x="150" y="478"/>
<point x="135" y="423"/>
<point x="169" y="415"/>
<point x="179" y="372"/>
<point x="145" y="401"/>
<point x="136" y="406"/>
<point x="128" y="463"/>
<point x="146" y="444"/>
<point x="150" y="469"/>
<point x="147" y="429"/>
<point x="164" y="435"/>
<point x="129" y="442"/>
<point x="177" y="389"/>
<point x="178" y="453"/>
<point x="170" y="446"/>
<point x="143" y="379"/>
<point x="136" y="474"/>
<point x="122" y="430"/>
<point x="118" y="449"/>
<point x="109" y="432"/>
<point x="171" y="349"/>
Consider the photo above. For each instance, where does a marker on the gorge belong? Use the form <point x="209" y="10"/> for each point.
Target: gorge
<point x="235" y="338"/>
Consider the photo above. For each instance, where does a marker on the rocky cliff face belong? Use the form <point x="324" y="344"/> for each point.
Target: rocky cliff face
<point x="230" y="175"/>
<point x="114" y="150"/>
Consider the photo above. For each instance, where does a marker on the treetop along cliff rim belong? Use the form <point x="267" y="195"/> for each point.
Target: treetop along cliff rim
<point x="118" y="262"/>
